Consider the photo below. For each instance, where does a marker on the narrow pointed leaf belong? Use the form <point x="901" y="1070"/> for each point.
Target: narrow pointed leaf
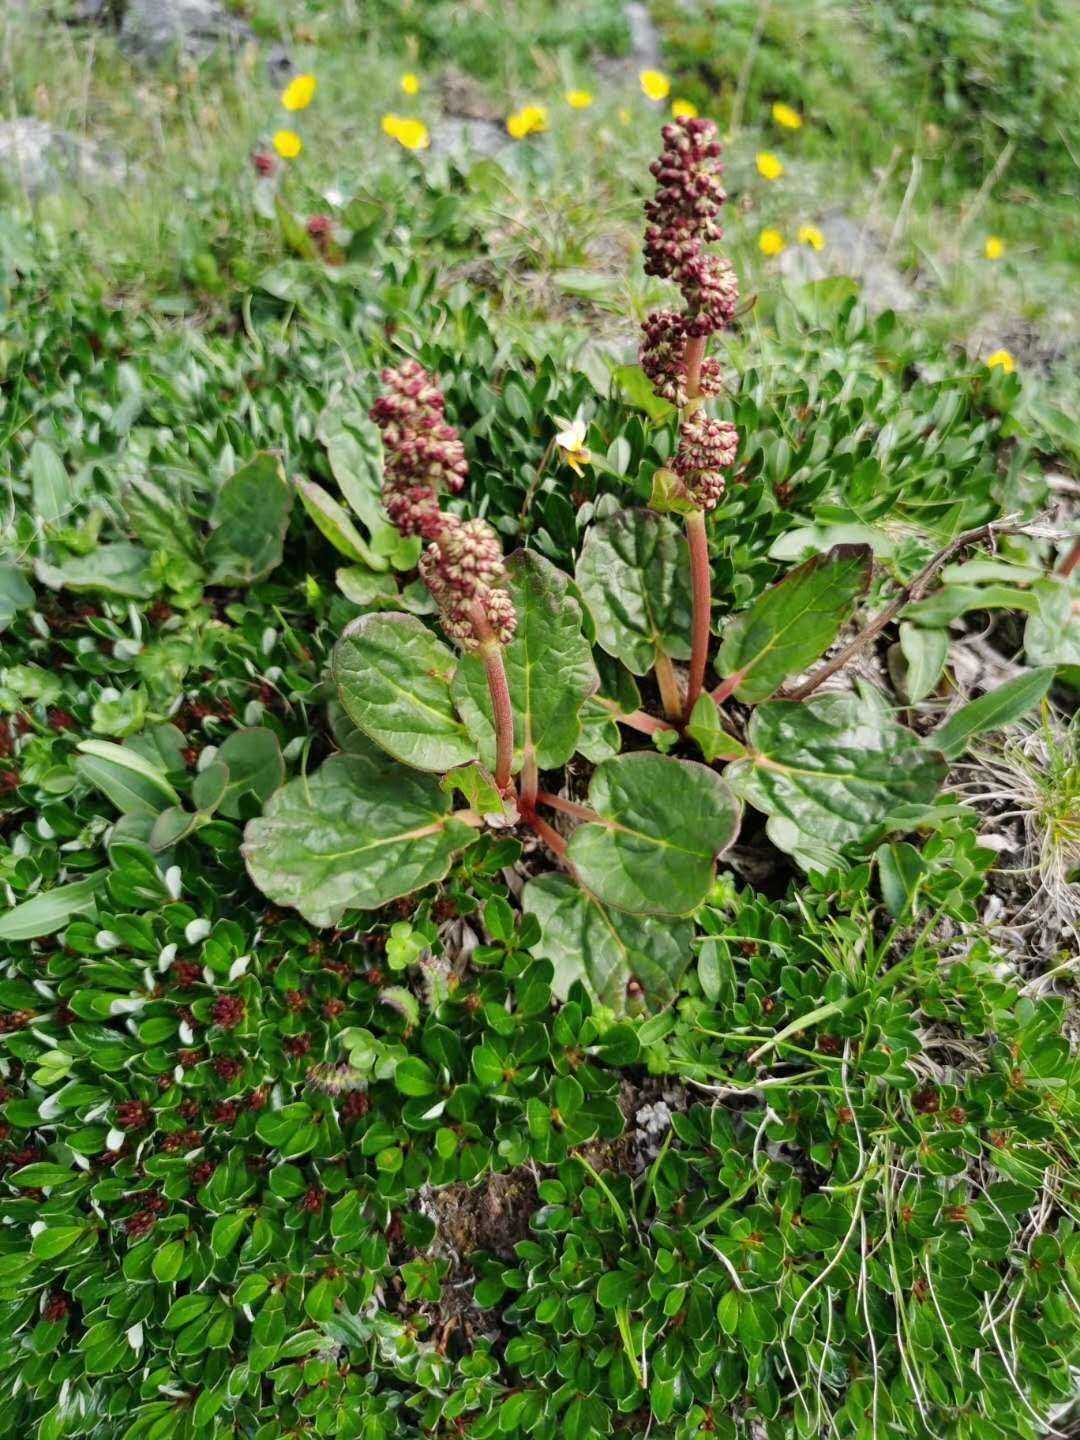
<point x="793" y="622"/>
<point x="393" y="676"/>
<point x="991" y="711"/>
<point x="334" y="522"/>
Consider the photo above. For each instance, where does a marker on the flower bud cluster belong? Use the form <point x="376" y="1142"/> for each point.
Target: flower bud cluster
<point x="463" y="563"/>
<point x="463" y="570"/>
<point x="683" y="218"/>
<point x="424" y="454"/>
<point x="706" y="447"/>
<point x="663" y="358"/>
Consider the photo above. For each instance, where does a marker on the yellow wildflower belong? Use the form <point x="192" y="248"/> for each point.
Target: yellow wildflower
<point x="786" y="116"/>
<point x="1001" y="360"/>
<point x="770" y="242"/>
<point x="578" y="99"/>
<point x="411" y="134"/>
<point x="299" y="92"/>
<point x="288" y="144"/>
<point x="655" y="84"/>
<point x="995" y="247"/>
<point x="624" y="116"/>
<point x="811" y="235"/>
<point x="683" y="109"/>
<point x="571" y="443"/>
<point x="410" y="83"/>
<point x="768" y="165"/>
<point x="529" y="120"/>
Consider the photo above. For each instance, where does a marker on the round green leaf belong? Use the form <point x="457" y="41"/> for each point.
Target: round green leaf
<point x="634" y="575"/>
<point x="357" y="833"/>
<point x="662" y="824"/>
<point x="832" y="769"/>
<point x="393" y="676"/>
<point x="585" y="941"/>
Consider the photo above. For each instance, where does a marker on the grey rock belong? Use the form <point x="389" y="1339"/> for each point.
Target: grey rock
<point x="153" y="29"/>
<point x="644" y="40"/>
<point x="858" y="251"/>
<point x="468" y="138"/>
<point x="41" y="159"/>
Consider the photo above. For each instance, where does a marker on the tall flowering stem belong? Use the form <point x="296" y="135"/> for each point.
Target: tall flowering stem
<point x="682" y="220"/>
<point x="501" y="709"/>
<point x="463" y="563"/>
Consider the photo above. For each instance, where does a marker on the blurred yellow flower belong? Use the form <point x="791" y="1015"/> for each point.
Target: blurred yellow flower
<point x="410" y="83"/>
<point x="571" y="444"/>
<point x="299" y="92"/>
<point x="288" y="144"/>
<point x="784" y="115"/>
<point x="770" y="242"/>
<point x="1001" y="360"/>
<point x="995" y="247"/>
<point x="578" y="99"/>
<point x="529" y="120"/>
<point x="411" y="134"/>
<point x="811" y="235"/>
<point x="624" y="116"/>
<point x="768" y="165"/>
<point x="683" y="109"/>
<point x="655" y="84"/>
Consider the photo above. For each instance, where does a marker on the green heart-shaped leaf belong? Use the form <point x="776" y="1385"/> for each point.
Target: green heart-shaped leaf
<point x="633" y="574"/>
<point x="793" y="622"/>
<point x="549" y="669"/>
<point x="832" y="768"/>
<point x="585" y="941"/>
<point x="662" y="824"/>
<point x="359" y="832"/>
<point x="394" y="677"/>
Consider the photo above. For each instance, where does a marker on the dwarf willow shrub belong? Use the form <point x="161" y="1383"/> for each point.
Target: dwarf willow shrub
<point x="504" y="1157"/>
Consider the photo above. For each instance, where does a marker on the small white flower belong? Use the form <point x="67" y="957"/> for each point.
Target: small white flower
<point x="134" y="1336"/>
<point x="239" y="965"/>
<point x="174" y="885"/>
<point x="114" y="1140"/>
<point x="197" y="930"/>
<point x="571" y="443"/>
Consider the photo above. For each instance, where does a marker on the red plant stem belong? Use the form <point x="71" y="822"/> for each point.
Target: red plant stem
<point x="501" y="709"/>
<point x="701" y="590"/>
<point x="728" y="687"/>
<point x="1069" y="564"/>
<point x="669" y="685"/>
<point x="568" y="807"/>
<point x="551" y="838"/>
<point x="636" y="719"/>
<point x="693" y="355"/>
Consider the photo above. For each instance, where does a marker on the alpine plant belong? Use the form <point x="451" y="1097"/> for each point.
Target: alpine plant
<point x="536" y="699"/>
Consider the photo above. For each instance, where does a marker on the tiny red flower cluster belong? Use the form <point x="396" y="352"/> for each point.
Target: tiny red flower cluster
<point x="683" y="218"/>
<point x="423" y="453"/>
<point x="462" y="565"/>
<point x="227" y="1011"/>
<point x="133" y="1115"/>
